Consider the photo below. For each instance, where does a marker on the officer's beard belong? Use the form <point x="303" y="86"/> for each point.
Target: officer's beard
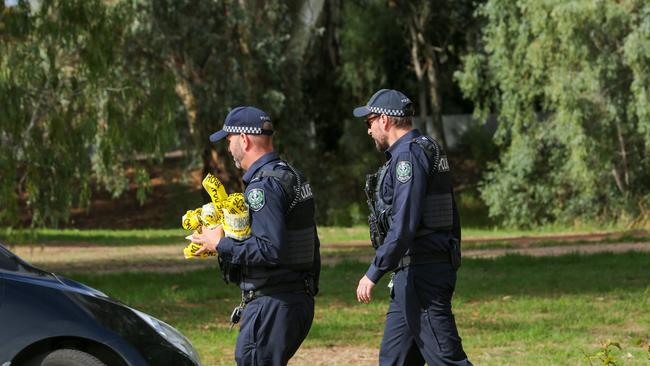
<point x="237" y="154"/>
<point x="381" y="143"/>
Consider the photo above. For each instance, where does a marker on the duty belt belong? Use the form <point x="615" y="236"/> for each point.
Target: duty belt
<point x="305" y="286"/>
<point x="248" y="296"/>
<point x="425" y="258"/>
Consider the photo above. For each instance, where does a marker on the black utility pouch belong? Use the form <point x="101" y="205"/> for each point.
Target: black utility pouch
<point x="454" y="253"/>
<point x="234" y="273"/>
<point x="229" y="272"/>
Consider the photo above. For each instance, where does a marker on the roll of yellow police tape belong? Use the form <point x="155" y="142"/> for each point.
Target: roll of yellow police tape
<point x="215" y="188"/>
<point x="190" y="250"/>
<point x="192" y="219"/>
<point x="235" y="204"/>
<point x="237" y="225"/>
<point x="210" y="217"/>
<point x="231" y="211"/>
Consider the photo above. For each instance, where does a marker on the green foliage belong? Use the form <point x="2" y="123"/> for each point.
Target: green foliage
<point x="569" y="82"/>
<point x="236" y="53"/>
<point x="94" y="92"/>
<point x="374" y="53"/>
<point x="480" y="146"/>
<point x="71" y="106"/>
<point x="607" y="355"/>
<point x="222" y="55"/>
<point x="473" y="211"/>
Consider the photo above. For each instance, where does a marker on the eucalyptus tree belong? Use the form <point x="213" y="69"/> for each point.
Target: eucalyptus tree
<point x="75" y="106"/>
<point x="435" y="32"/>
<point x="570" y="82"/>
<point x="93" y="91"/>
<point x="413" y="45"/>
<point x="228" y="53"/>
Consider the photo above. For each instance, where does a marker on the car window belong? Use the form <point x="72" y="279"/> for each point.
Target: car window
<point x="8" y="264"/>
<point x="12" y="263"/>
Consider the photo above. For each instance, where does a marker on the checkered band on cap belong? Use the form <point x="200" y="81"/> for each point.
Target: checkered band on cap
<point x="386" y="111"/>
<point x="243" y="129"/>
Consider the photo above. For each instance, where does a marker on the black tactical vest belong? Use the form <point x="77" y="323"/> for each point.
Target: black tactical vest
<point x="437" y="214"/>
<point x="299" y="221"/>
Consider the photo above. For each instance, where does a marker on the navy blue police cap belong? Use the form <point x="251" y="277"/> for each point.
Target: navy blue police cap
<point x="390" y="102"/>
<point x="248" y="120"/>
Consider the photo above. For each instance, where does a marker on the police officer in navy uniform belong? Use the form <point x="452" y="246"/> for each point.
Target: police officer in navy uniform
<point x="278" y="267"/>
<point x="415" y="230"/>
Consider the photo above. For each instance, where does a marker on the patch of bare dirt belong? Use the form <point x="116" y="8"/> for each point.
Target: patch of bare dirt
<point x="582" y="237"/>
<point x="166" y="258"/>
<point x="335" y="356"/>
<point x="107" y="259"/>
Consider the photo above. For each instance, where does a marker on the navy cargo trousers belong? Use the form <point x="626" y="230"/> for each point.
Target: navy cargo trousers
<point x="273" y="328"/>
<point x="420" y="325"/>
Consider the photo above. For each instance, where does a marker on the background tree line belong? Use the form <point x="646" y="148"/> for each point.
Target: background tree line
<point x="93" y="93"/>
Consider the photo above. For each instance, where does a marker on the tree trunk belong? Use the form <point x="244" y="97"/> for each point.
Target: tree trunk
<point x="184" y="91"/>
<point x="301" y="34"/>
<point x="425" y="67"/>
<point x="625" y="182"/>
<point x="434" y="127"/>
<point x="420" y="123"/>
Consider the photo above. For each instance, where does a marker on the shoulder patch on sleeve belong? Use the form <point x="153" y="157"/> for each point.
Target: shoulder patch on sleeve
<point x="404" y="171"/>
<point x="255" y="198"/>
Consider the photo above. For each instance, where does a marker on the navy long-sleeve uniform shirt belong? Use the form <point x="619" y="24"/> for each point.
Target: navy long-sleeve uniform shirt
<point x="407" y="196"/>
<point x="267" y="245"/>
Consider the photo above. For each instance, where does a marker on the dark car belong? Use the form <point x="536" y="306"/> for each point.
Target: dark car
<point x="49" y="320"/>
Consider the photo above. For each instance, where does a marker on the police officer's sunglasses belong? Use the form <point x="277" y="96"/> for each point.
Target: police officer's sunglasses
<point x="371" y="119"/>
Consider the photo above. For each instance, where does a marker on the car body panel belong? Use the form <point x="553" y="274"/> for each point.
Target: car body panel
<point x="36" y="305"/>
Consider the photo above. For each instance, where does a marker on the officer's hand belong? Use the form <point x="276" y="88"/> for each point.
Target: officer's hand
<point x="364" y="290"/>
<point x="209" y="238"/>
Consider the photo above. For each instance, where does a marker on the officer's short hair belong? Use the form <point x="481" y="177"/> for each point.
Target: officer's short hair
<point x="406" y="121"/>
<point x="264" y="140"/>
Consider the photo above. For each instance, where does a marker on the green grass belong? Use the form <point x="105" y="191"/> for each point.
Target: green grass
<point x="94" y="236"/>
<point x="342" y="234"/>
<point x="333" y="234"/>
<point x="499" y="244"/>
<point x="512" y="310"/>
<point x="327" y="235"/>
<point x="146" y="236"/>
<point x="493" y="232"/>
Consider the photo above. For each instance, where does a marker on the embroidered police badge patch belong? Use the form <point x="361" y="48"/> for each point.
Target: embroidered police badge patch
<point x="404" y="171"/>
<point x="256" y="199"/>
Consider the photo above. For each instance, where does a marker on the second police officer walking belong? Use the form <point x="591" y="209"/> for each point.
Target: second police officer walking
<point x="278" y="267"/>
<point x="415" y="230"/>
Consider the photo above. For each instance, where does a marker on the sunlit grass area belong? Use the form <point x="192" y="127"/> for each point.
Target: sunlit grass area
<point x="499" y="232"/>
<point x="513" y="310"/>
<point x="147" y="236"/>
<point x="94" y="236"/>
<point x="360" y="233"/>
<point x="327" y="235"/>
